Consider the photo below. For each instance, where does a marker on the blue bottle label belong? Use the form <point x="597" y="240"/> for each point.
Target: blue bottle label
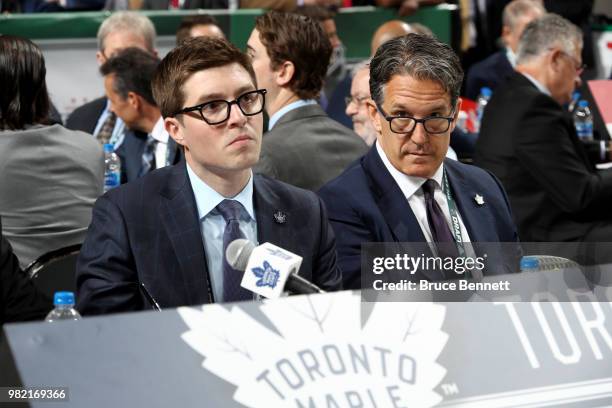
<point x="111" y="180"/>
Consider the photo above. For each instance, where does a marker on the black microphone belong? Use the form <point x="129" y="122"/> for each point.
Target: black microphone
<point x="239" y="252"/>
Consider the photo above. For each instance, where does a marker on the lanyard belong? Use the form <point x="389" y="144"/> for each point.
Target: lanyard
<point x="455" y="225"/>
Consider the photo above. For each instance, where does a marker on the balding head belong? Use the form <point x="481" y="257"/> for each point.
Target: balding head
<point x="388" y="31"/>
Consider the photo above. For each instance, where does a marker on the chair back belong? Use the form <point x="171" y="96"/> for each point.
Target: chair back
<point x="56" y="270"/>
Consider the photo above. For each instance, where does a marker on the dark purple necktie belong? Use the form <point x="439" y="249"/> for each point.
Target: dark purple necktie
<point x="438" y="226"/>
<point x="232" y="291"/>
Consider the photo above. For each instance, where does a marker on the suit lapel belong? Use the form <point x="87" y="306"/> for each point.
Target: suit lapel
<point x="474" y="215"/>
<point x="391" y="201"/>
<point x="267" y="204"/>
<point x="180" y="219"/>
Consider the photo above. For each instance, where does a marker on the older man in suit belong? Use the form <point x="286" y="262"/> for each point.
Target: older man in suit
<point x="495" y="69"/>
<point x="121" y="30"/>
<point x="403" y="190"/>
<point x="169" y="230"/>
<point x="303" y="146"/>
<point x="529" y="141"/>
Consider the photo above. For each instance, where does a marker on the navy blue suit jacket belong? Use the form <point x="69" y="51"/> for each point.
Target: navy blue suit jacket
<point x="365" y="204"/>
<point x="492" y="71"/>
<point x="148" y="231"/>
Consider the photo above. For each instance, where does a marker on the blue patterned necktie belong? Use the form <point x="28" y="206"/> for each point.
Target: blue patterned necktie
<point x="440" y="231"/>
<point x="148" y="156"/>
<point x="232" y="291"/>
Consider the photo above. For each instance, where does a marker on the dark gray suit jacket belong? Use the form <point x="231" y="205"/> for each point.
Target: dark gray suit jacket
<point x="307" y="149"/>
<point x="148" y="231"/>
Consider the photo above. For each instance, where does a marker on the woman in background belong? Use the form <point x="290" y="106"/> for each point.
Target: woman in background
<point x="49" y="176"/>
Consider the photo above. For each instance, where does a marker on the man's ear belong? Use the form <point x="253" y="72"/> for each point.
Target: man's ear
<point x="375" y="116"/>
<point x="284" y="74"/>
<point x="174" y="129"/>
<point x="556" y="59"/>
<point x="134" y="100"/>
<point x="456" y="114"/>
<point x="100" y="58"/>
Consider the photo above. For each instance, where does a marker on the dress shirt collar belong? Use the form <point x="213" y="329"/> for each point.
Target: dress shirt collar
<point x="511" y="57"/>
<point x="288" y="108"/>
<point x="207" y="198"/>
<point x="537" y="84"/>
<point x="408" y="184"/>
<point x="159" y="132"/>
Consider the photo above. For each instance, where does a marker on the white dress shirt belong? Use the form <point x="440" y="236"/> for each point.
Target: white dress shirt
<point x="411" y="188"/>
<point x="161" y="150"/>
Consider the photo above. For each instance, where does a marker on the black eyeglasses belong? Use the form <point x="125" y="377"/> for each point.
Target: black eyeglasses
<point x="578" y="66"/>
<point x="406" y="124"/>
<point x="218" y="111"/>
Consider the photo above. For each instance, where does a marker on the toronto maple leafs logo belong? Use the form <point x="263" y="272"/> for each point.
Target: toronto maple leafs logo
<point x="321" y="353"/>
<point x="266" y="274"/>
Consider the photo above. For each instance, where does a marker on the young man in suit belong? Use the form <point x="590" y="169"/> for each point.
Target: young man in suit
<point x="403" y="189"/>
<point x="169" y="229"/>
<point x="121" y="30"/>
<point x="303" y="146"/>
<point x="495" y="69"/>
<point x="529" y="141"/>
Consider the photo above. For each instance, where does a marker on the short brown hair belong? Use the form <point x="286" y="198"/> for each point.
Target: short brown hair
<point x="301" y="40"/>
<point x="193" y="55"/>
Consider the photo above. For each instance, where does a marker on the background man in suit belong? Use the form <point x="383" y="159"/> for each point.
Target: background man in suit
<point x="121" y="30"/>
<point x="169" y="230"/>
<point x="303" y="146"/>
<point x="403" y="190"/>
<point x="356" y="104"/>
<point x="127" y="81"/>
<point x="337" y="81"/>
<point x="496" y="68"/>
<point x="528" y="140"/>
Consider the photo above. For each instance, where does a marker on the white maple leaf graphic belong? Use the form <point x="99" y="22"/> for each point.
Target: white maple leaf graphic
<point x="323" y="356"/>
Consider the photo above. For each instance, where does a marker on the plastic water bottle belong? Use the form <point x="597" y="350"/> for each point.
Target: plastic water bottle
<point x="530" y="264"/>
<point x="64" y="308"/>
<point x="574" y="102"/>
<point x="483" y="99"/>
<point x="583" y="121"/>
<point x="112" y="167"/>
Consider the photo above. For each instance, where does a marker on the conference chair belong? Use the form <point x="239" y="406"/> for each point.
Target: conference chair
<point x="56" y="270"/>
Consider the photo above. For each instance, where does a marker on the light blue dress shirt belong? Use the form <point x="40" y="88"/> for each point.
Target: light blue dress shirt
<point x="212" y="225"/>
<point x="285" y="109"/>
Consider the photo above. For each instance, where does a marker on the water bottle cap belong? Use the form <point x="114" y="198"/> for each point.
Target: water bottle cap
<point x="486" y="91"/>
<point x="63" y="298"/>
<point x="529" y="262"/>
<point x="109" y="148"/>
<point x="583" y="104"/>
